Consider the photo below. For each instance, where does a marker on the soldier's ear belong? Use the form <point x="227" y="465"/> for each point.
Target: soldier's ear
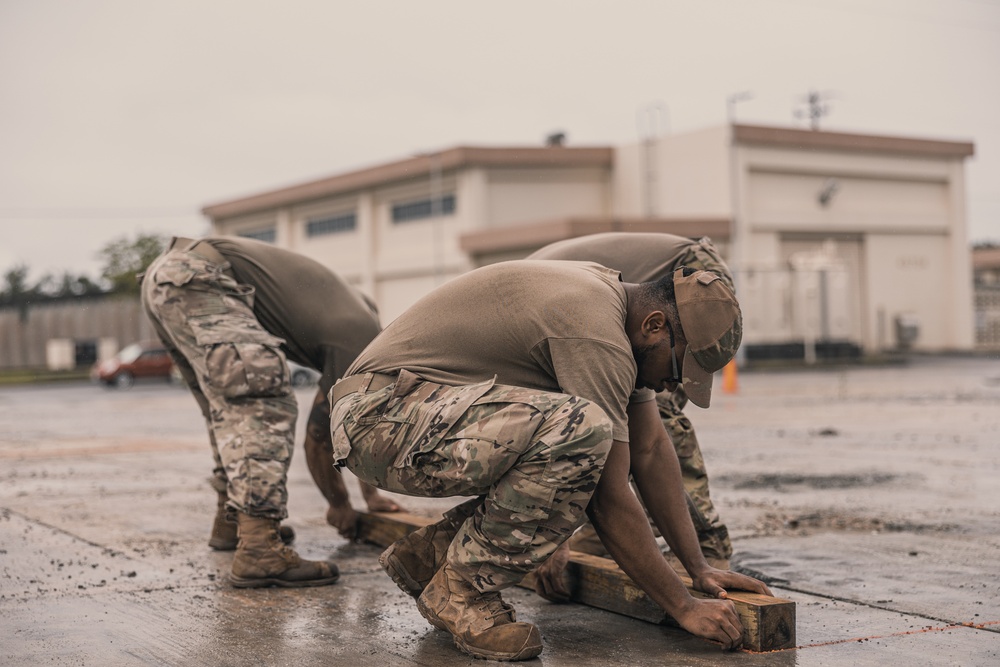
<point x="654" y="322"/>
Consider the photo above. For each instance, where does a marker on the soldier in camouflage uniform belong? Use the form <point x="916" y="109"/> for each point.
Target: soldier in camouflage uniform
<point x="230" y="310"/>
<point x="642" y="257"/>
<point x="519" y="384"/>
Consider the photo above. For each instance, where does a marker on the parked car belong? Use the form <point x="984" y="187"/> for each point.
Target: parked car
<point x="302" y="376"/>
<point x="136" y="361"/>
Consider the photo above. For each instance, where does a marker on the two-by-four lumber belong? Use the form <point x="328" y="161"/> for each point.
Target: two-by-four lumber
<point x="768" y="622"/>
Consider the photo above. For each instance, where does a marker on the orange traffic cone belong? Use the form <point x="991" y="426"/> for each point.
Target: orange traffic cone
<point x="730" y="381"/>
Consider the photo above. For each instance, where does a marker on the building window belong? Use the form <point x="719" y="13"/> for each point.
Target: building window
<point x="338" y="223"/>
<point x="266" y="235"/>
<point x="423" y="208"/>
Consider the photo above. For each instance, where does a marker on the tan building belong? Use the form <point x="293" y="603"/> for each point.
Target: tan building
<point x="840" y="242"/>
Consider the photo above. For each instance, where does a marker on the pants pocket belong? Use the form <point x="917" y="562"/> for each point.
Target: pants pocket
<point x="243" y="360"/>
<point x="250" y="370"/>
<point x="427" y="411"/>
<point x="516" y="510"/>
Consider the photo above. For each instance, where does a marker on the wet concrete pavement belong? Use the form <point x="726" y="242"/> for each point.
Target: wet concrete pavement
<point x="871" y="495"/>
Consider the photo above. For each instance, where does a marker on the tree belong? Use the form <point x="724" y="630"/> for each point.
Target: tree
<point x="15" y="289"/>
<point x="124" y="258"/>
<point x="66" y="286"/>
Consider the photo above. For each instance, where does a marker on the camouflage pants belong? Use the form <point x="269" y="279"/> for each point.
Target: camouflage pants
<point x="235" y="370"/>
<point x="534" y="457"/>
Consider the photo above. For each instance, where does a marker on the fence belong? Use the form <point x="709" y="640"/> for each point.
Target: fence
<point x="987" y="309"/>
<point x="70" y="334"/>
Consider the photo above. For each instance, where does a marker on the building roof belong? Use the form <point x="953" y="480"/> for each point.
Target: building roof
<point x="417" y="166"/>
<point x="564" y="156"/>
<point x="843" y="141"/>
<point x="533" y="235"/>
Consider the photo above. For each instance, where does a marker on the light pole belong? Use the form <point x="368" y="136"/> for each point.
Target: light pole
<point x="736" y="232"/>
<point x="650" y="122"/>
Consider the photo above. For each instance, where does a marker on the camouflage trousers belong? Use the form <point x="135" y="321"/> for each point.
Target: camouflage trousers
<point x="533" y="457"/>
<point x="704" y="256"/>
<point x="236" y="372"/>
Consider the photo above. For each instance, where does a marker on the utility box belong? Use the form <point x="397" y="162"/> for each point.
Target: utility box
<point x="59" y="354"/>
<point x="907" y="330"/>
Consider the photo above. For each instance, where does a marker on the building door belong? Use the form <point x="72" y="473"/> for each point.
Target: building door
<point x="826" y="298"/>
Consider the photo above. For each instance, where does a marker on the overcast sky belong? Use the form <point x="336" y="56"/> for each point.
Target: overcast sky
<point x="121" y="116"/>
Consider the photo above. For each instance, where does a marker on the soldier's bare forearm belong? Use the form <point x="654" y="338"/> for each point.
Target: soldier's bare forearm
<point x="319" y="455"/>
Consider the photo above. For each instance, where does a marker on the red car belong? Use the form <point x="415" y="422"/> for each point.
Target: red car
<point x="139" y="360"/>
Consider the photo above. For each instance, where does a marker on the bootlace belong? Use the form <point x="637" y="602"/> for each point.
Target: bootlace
<point x="493" y="603"/>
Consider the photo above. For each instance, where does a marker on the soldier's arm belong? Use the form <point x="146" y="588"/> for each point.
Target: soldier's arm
<point x="621" y="523"/>
<point x="319" y="459"/>
<point x="657" y="474"/>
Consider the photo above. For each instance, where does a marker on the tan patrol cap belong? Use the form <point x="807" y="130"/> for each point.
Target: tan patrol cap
<point x="713" y="327"/>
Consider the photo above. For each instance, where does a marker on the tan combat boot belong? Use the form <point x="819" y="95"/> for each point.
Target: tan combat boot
<point x="224" y="537"/>
<point x="262" y="560"/>
<point x="413" y="560"/>
<point x="482" y="624"/>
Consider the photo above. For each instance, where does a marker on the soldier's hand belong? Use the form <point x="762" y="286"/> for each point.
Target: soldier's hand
<point x="380" y="503"/>
<point x="715" y="620"/>
<point x="376" y="501"/>
<point x="550" y="579"/>
<point x="345" y="520"/>
<point x="715" y="582"/>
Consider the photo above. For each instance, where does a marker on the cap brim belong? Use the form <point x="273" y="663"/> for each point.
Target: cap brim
<point x="697" y="382"/>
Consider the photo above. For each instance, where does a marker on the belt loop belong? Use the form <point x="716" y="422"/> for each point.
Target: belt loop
<point x="367" y="382"/>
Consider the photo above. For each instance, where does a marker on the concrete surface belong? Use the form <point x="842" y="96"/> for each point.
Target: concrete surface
<point x="870" y="494"/>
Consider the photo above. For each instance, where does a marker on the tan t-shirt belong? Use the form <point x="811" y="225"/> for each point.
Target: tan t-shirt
<point x="324" y="321"/>
<point x="555" y="326"/>
<point x="641" y="257"/>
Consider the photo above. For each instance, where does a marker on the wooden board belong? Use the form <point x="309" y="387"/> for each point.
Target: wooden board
<point x="768" y="622"/>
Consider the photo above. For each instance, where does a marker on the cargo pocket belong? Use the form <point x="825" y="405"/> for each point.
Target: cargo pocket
<point x="427" y="411"/>
<point x="197" y="296"/>
<point x="243" y="360"/>
<point x="516" y="509"/>
<point x="174" y="273"/>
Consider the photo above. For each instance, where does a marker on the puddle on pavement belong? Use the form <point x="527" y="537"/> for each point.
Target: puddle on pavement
<point x="785" y="481"/>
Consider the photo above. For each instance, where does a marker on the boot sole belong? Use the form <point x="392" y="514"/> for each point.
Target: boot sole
<point x="394" y="568"/>
<point x="241" y="582"/>
<point x="526" y="652"/>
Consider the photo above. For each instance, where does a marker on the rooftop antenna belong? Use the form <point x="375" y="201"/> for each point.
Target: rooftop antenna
<point x="816" y="106"/>
<point x="651" y="122"/>
<point x="557" y="138"/>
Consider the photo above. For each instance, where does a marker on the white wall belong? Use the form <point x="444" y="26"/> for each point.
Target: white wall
<point x="907" y="213"/>
<point x="343" y="252"/>
<point x="690" y="175"/>
<point x="789" y="201"/>
<point x="907" y="276"/>
<point x="522" y="195"/>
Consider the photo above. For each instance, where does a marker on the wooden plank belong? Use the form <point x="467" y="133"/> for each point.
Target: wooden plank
<point x="384" y="528"/>
<point x="768" y="622"/>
